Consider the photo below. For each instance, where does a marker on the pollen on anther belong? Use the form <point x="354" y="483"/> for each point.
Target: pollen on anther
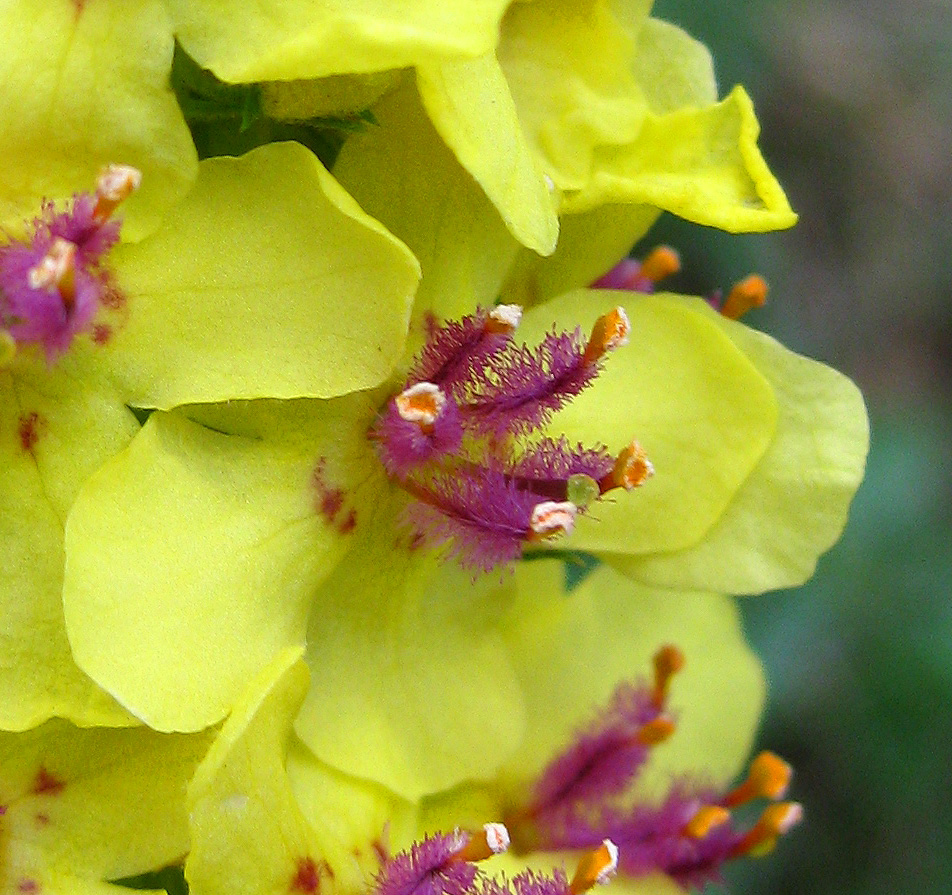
<point x="632" y="468"/>
<point x="656" y="731"/>
<point x="421" y="403"/>
<point x="551" y="518"/>
<point x="114" y="184"/>
<point x="493" y="839"/>
<point x="504" y="319"/>
<point x="53" y="270"/>
<point x="668" y="661"/>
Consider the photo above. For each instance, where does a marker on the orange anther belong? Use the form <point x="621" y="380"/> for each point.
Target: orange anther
<point x="632" y="468"/>
<point x="777" y="819"/>
<point x="660" y="262"/>
<point x="597" y="866"/>
<point x="749" y="293"/>
<point x="609" y="332"/>
<point x="668" y="661"/>
<point x="707" y="818"/>
<point x="768" y="778"/>
<point x="492" y="839"/>
<point x="656" y="731"/>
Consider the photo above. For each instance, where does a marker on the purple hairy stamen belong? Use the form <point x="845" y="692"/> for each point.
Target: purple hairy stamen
<point x="457" y="438"/>
<point x="528" y="386"/>
<point x="584" y="796"/>
<point x="428" y="868"/>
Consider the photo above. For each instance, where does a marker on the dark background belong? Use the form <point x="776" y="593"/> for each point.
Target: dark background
<point x="855" y="101"/>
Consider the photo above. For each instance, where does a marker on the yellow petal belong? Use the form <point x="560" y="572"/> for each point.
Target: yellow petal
<point x="471" y="107"/>
<point x="268" y="281"/>
<point x="85" y="85"/>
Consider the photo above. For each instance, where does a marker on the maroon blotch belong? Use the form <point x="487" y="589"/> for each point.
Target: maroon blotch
<point x="47" y="783"/>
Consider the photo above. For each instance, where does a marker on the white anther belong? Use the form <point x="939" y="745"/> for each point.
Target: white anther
<point x="53" y="267"/>
<point x="497" y="837"/>
<point x="608" y="871"/>
<point x="117" y="182"/>
<point x="507" y="315"/>
<point x="421" y="403"/>
<point x="552" y="517"/>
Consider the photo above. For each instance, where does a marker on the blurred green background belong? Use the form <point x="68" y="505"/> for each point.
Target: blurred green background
<point x="855" y="100"/>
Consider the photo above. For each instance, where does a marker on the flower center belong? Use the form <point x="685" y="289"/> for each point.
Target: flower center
<point x="462" y="437"/>
<point x="53" y="285"/>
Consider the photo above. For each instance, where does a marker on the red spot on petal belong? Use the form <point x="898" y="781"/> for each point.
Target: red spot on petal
<point x="112" y="297"/>
<point x="47" y="784"/>
<point x="102" y="333"/>
<point x="29" y="430"/>
<point x="307" y="879"/>
<point x="41" y="819"/>
<point x="28" y="886"/>
<point x="329" y="501"/>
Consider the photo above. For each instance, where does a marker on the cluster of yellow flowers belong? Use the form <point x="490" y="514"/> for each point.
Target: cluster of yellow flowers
<point x="230" y="634"/>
